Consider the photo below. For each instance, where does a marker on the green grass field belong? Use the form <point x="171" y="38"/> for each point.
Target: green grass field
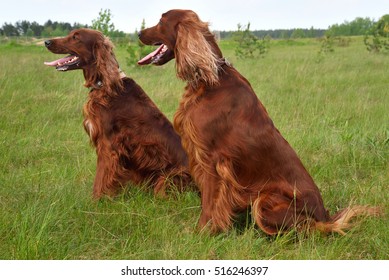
<point x="333" y="111"/>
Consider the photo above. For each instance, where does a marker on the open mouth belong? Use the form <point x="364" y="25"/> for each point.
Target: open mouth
<point x="66" y="63"/>
<point x="156" y="56"/>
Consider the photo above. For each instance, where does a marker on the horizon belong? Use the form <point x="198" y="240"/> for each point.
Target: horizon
<point x="223" y="15"/>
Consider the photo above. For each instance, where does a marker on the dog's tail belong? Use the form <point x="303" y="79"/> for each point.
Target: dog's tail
<point x="341" y="220"/>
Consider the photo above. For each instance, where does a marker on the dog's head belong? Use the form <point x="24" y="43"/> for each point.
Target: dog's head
<point x="89" y="50"/>
<point x="81" y="45"/>
<point x="182" y="35"/>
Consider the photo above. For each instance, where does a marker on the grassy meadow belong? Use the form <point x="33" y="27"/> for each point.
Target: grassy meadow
<point x="333" y="109"/>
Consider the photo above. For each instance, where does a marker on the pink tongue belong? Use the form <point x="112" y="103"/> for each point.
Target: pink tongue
<point x="147" y="58"/>
<point x="59" y="61"/>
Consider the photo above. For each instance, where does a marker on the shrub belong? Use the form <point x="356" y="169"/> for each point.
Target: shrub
<point x="380" y="36"/>
<point x="249" y="45"/>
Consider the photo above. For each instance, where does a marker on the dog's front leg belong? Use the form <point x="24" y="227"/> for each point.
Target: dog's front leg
<point x="106" y="180"/>
<point x="210" y="191"/>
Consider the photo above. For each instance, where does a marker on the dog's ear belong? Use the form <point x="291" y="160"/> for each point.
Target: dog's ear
<point x="195" y="60"/>
<point x="107" y="67"/>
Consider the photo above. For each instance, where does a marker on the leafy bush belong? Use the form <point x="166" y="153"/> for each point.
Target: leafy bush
<point x="135" y="52"/>
<point x="343" y="41"/>
<point x="327" y="44"/>
<point x="136" y="49"/>
<point x="326" y="47"/>
<point x="380" y="38"/>
<point x="249" y="45"/>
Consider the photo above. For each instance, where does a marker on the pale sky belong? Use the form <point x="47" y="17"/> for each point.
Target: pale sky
<point x="221" y="14"/>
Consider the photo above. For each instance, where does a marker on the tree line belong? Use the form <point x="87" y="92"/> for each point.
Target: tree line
<point x="55" y="28"/>
<point x="49" y="29"/>
<point x="358" y="26"/>
<point x="281" y="33"/>
<point x="34" y="29"/>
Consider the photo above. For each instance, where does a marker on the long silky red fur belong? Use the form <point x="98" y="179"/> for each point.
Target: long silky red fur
<point x="237" y="156"/>
<point x="134" y="141"/>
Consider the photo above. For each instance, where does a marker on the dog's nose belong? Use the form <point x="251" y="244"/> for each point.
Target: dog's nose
<point x="47" y="43"/>
<point x="139" y="34"/>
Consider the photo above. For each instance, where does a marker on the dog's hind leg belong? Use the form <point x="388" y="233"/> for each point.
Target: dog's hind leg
<point x="280" y="207"/>
<point x="274" y="212"/>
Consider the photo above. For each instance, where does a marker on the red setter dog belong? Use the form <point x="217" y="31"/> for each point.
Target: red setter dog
<point x="237" y="156"/>
<point x="134" y="141"/>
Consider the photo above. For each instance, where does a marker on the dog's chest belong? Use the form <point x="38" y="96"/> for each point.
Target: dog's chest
<point x="89" y="127"/>
<point x="91" y="120"/>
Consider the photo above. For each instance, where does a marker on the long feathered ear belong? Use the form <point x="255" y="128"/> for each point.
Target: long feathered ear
<point x="195" y="60"/>
<point x="107" y="67"/>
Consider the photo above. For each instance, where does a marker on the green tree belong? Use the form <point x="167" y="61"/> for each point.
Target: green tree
<point x="59" y="32"/>
<point x="379" y="40"/>
<point x="23" y="26"/>
<point x="10" y="30"/>
<point x="358" y="26"/>
<point x="382" y="26"/>
<point x="103" y="22"/>
<point x="249" y="45"/>
<point x="137" y="50"/>
<point x="142" y="26"/>
<point x="36" y="28"/>
<point x="311" y="33"/>
<point x="47" y="31"/>
<point x="326" y="47"/>
<point x="29" y="33"/>
<point x="298" y="33"/>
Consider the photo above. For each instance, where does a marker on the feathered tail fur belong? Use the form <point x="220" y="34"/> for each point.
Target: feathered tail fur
<point x="341" y="220"/>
